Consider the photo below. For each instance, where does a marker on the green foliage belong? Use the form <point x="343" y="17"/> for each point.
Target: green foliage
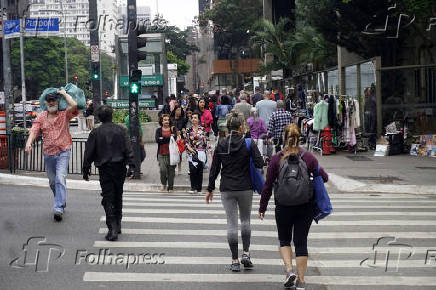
<point x="177" y="39"/>
<point x="343" y="23"/>
<point x="290" y="48"/>
<point x="233" y="19"/>
<point x="44" y="61"/>
<point x="119" y="115"/>
<point x="182" y="66"/>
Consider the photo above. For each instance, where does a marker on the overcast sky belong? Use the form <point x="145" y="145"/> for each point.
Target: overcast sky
<point x="177" y="12"/>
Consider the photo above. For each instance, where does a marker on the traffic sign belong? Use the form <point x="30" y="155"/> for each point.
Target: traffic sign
<point x="124" y="104"/>
<point x="36" y="25"/>
<point x="95" y="54"/>
<point x="12" y="28"/>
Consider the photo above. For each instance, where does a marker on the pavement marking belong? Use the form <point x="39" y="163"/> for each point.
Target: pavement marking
<point x="253" y="247"/>
<point x="217" y="204"/>
<point x="257" y="233"/>
<point x="272" y="222"/>
<point x="109" y="258"/>
<point x="254" y="212"/>
<point x="332" y="196"/>
<point x="334" y="201"/>
<point x="257" y="278"/>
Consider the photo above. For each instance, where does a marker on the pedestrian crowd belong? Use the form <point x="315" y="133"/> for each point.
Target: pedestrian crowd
<point x="230" y="133"/>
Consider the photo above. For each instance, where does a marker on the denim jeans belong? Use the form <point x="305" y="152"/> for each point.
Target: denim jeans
<point x="57" y="169"/>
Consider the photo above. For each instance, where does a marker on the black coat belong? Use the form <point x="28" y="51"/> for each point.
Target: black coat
<point x="232" y="158"/>
<point x="108" y="143"/>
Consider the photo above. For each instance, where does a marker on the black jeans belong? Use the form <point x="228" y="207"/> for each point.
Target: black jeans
<point x="196" y="176"/>
<point x="297" y="219"/>
<point x="112" y="176"/>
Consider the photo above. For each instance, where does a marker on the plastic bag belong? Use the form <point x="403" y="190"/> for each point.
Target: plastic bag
<point x="76" y="93"/>
<point x="174" y="152"/>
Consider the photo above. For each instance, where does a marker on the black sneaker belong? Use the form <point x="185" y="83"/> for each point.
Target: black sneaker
<point x="290" y="280"/>
<point x="245" y="260"/>
<point x="57" y="216"/>
<point x="236" y="267"/>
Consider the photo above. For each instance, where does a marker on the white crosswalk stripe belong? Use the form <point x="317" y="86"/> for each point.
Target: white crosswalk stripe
<point x="192" y="233"/>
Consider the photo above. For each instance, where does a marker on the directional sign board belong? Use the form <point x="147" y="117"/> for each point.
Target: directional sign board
<point x="34" y="26"/>
<point x="124" y="104"/>
<point x="12" y="28"/>
<point x="95" y="54"/>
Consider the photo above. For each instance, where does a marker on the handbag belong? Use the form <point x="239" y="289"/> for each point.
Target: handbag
<point x="323" y="206"/>
<point x="256" y="175"/>
<point x="174" y="152"/>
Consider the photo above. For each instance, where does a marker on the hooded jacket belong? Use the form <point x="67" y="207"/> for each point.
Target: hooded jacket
<point x="232" y="159"/>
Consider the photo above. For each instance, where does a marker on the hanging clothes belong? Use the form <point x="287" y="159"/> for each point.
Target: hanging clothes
<point x="332" y="115"/>
<point x="320" y="114"/>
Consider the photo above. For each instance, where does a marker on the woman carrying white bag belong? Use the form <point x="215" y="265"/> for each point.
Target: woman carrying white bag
<point x="163" y="137"/>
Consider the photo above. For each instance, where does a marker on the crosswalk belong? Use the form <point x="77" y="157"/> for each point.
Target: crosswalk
<point x="383" y="240"/>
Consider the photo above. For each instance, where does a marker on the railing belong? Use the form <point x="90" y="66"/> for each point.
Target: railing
<point x="14" y="157"/>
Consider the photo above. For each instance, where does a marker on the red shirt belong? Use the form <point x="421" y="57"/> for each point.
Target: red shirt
<point x="55" y="132"/>
<point x="164" y="149"/>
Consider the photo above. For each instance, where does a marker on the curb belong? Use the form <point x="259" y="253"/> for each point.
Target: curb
<point x="10" y="179"/>
<point x="340" y="183"/>
<point x="351" y="185"/>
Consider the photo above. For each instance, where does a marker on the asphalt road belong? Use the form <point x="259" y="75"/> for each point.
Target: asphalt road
<point x="180" y="242"/>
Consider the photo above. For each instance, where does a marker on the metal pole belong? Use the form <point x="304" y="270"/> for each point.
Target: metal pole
<point x="6" y="66"/>
<point x="378" y="90"/>
<point x="65" y="43"/>
<point x="93" y="39"/>
<point x="23" y="78"/>
<point x="133" y="98"/>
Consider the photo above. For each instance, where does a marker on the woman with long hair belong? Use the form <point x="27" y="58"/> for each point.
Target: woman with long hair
<point x="294" y="221"/>
<point x="232" y="158"/>
<point x="162" y="137"/>
<point x="196" y="145"/>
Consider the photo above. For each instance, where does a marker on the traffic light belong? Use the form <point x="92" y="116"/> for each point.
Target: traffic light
<point x="76" y="78"/>
<point x="141" y="44"/>
<point x="95" y="72"/>
<point x="106" y="94"/>
<point x="135" y="82"/>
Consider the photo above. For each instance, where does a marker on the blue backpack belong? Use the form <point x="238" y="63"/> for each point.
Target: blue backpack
<point x="256" y="175"/>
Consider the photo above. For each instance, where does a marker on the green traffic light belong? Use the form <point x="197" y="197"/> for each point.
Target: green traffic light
<point x="134" y="88"/>
<point x="95" y="76"/>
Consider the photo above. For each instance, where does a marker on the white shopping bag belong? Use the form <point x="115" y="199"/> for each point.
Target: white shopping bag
<point x="174" y="152"/>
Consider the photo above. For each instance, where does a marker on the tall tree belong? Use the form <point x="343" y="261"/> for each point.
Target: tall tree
<point x="233" y="21"/>
<point x="44" y="64"/>
<point x="360" y="25"/>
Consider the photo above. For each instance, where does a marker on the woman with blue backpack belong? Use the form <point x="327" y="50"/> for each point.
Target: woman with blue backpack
<point x="289" y="172"/>
<point x="232" y="159"/>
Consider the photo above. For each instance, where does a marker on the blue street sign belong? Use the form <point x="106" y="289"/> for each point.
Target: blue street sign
<point x="42" y="25"/>
<point x="11" y="28"/>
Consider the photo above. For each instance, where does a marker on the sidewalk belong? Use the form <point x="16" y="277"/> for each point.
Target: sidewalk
<point x="392" y="174"/>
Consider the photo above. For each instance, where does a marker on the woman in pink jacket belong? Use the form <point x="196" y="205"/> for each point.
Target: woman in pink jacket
<point x="206" y="116"/>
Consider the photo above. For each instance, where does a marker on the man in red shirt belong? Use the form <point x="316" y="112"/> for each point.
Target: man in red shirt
<point x="54" y="125"/>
